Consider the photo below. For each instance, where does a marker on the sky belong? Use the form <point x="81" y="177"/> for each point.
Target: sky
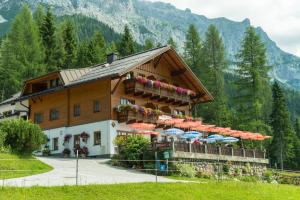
<point x="280" y="19"/>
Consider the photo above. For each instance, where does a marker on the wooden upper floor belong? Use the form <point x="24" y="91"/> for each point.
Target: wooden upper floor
<point x="157" y="80"/>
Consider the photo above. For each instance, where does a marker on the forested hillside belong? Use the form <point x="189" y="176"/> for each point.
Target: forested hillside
<point x="39" y="42"/>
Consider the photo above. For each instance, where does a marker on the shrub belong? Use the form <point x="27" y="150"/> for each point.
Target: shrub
<point x="226" y="168"/>
<point x="249" y="179"/>
<point x="132" y="148"/>
<point x="2" y="139"/>
<point x="205" y="174"/>
<point x="22" y="136"/>
<point x="268" y="176"/>
<point x="186" y="170"/>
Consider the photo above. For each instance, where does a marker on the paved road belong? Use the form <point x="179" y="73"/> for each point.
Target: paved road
<point x="91" y="171"/>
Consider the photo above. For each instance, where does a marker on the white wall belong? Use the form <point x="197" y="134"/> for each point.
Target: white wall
<point x="103" y="149"/>
<point x="13" y="108"/>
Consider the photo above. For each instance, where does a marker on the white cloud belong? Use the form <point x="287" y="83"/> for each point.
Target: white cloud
<point x="279" y="18"/>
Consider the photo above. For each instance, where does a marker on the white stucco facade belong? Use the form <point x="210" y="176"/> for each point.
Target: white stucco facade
<point x="109" y="130"/>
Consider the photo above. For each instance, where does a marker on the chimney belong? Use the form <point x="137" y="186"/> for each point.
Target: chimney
<point x="111" y="57"/>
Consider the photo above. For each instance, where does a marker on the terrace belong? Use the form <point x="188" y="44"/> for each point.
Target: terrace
<point x="159" y="91"/>
<point x="212" y="152"/>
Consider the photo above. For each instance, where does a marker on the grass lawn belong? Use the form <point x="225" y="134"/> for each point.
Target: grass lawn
<point x="26" y="164"/>
<point x="209" y="190"/>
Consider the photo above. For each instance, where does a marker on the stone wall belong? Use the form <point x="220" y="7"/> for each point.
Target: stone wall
<point x="211" y="168"/>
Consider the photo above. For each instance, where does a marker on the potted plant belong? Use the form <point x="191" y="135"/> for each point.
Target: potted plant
<point x="85" y="152"/>
<point x="67" y="138"/>
<point x="84" y="136"/>
<point x="66" y="152"/>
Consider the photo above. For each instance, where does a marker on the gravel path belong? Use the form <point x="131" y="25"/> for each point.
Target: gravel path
<point x="91" y="171"/>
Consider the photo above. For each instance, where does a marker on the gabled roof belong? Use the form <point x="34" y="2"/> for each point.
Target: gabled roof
<point x="116" y="68"/>
<point x="119" y="67"/>
<point x="12" y="99"/>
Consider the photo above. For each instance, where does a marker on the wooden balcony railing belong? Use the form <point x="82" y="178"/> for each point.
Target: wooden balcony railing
<point x="130" y="116"/>
<point x="218" y="150"/>
<point x="159" y="94"/>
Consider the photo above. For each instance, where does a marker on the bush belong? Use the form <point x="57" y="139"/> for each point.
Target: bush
<point x="2" y="139"/>
<point x="132" y="148"/>
<point x="205" y="174"/>
<point x="22" y="136"/>
<point x="226" y="168"/>
<point x="268" y="176"/>
<point x="249" y="179"/>
<point x="186" y="170"/>
<point x="66" y="151"/>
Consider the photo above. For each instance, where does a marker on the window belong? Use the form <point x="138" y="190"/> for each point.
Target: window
<point x="76" y="111"/>
<point x="76" y="140"/>
<point x="96" y="106"/>
<point x="54" y="83"/>
<point x="129" y="75"/>
<point x="38" y="118"/>
<point x="179" y="112"/>
<point x="55" y="144"/>
<point x="54" y="114"/>
<point x="124" y="101"/>
<point x="97" y="138"/>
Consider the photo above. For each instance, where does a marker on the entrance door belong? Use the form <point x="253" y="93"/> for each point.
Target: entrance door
<point x="76" y="141"/>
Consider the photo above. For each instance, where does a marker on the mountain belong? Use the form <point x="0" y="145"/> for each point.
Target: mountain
<point x="158" y="21"/>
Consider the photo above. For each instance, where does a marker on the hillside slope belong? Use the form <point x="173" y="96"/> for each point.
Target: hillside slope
<point x="159" y="21"/>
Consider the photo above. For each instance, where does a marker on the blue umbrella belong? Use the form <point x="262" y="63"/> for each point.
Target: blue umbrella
<point x="215" y="137"/>
<point x="208" y="140"/>
<point x="194" y="133"/>
<point x="173" y="131"/>
<point x="230" y="139"/>
<point x="189" y="136"/>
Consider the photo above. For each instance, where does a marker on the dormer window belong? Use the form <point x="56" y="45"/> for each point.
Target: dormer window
<point x="54" y="83"/>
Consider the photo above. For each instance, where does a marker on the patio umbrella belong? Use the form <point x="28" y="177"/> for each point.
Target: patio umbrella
<point x="229" y="139"/>
<point x="193" y="132"/>
<point x="216" y="137"/>
<point x="142" y="126"/>
<point x="147" y="132"/>
<point x="189" y="136"/>
<point x="173" y="131"/>
<point x="172" y="121"/>
<point x="203" y="127"/>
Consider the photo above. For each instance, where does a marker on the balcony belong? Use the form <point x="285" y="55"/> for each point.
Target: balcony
<point x="213" y="152"/>
<point x="129" y="116"/>
<point x="132" y="86"/>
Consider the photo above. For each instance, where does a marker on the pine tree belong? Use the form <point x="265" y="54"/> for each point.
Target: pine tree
<point x="281" y="149"/>
<point x="83" y="59"/>
<point x="97" y="49"/>
<point x="172" y="43"/>
<point x="148" y="44"/>
<point x="112" y="48"/>
<point x="126" y="46"/>
<point x="193" y="50"/>
<point x="297" y="128"/>
<point x="69" y="45"/>
<point x="21" y="53"/>
<point x="39" y="15"/>
<point x="252" y="84"/>
<point x="47" y="31"/>
<point x="214" y="64"/>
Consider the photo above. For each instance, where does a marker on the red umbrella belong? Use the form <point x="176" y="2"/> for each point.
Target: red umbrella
<point x="147" y="132"/>
<point x="142" y="126"/>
